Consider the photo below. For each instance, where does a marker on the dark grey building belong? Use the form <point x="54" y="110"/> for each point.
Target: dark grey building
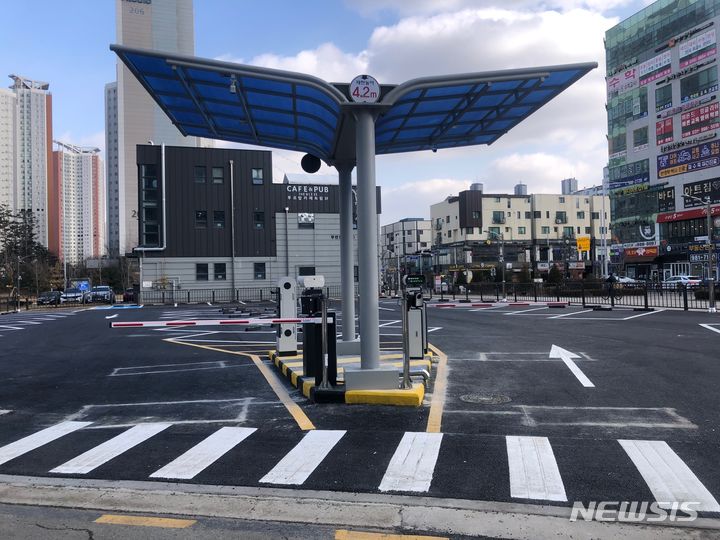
<point x="221" y="222"/>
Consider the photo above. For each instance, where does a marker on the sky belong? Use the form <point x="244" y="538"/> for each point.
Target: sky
<point x="67" y="44"/>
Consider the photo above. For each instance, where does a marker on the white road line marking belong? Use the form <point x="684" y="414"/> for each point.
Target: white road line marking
<point x="528" y="310"/>
<point x="667" y="476"/>
<point x="7" y="327"/>
<point x="36" y="440"/>
<point x="389" y="323"/>
<point x="710" y="327"/>
<point x="534" y="472"/>
<point x="93" y="458"/>
<point x="643" y="314"/>
<point x="4" y="411"/>
<point x="111" y="316"/>
<point x="411" y="467"/>
<point x="302" y="460"/>
<point x="204" y="454"/>
<point x="570" y="314"/>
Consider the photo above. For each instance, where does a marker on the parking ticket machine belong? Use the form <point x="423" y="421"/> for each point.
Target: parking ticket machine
<point x="414" y="306"/>
<point x="287" y="307"/>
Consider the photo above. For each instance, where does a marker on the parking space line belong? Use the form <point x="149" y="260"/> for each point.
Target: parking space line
<point x="711" y="327"/>
<point x="527" y="310"/>
<point x="570" y="314"/>
<point x="643" y="314"/>
<point x="304" y="458"/>
<point x="36" y="440"/>
<point x="534" y="473"/>
<point x="667" y="476"/>
<point x="437" y="403"/>
<point x="93" y="458"/>
<point x="142" y="521"/>
<point x="413" y="463"/>
<point x="204" y="454"/>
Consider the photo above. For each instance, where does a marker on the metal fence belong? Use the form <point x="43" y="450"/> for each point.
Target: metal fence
<point x="589" y="294"/>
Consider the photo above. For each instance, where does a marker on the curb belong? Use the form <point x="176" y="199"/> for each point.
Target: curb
<point x="413" y="397"/>
<point x="344" y="509"/>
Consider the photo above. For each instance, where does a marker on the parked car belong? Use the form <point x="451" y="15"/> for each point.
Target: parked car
<point x="626" y="280"/>
<point x="72" y="295"/>
<point x="49" y="298"/>
<point x="129" y="295"/>
<point x="678" y="282"/>
<point x="102" y="293"/>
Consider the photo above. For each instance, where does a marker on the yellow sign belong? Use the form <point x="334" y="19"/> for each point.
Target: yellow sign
<point x="583" y="243"/>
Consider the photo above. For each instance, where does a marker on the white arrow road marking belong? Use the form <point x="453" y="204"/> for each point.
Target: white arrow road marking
<point x="567" y="356"/>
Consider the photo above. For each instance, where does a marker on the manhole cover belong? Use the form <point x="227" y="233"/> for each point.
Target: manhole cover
<point x="485" y="399"/>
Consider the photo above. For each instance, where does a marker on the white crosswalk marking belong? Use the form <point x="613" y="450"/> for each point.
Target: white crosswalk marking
<point x="667" y="476"/>
<point x="534" y="472"/>
<point x="204" y="454"/>
<point x="108" y="450"/>
<point x="36" y="440"/>
<point x="302" y="460"/>
<point x="411" y="467"/>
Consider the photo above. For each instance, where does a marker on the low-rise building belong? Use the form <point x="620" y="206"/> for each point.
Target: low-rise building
<point x="532" y="231"/>
<point x="403" y="246"/>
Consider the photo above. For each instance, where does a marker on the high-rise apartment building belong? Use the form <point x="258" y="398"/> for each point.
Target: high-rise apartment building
<point x="662" y="75"/>
<point x="568" y="186"/>
<point x="112" y="180"/>
<point x="7" y="147"/>
<point x="80" y="180"/>
<point x="26" y="135"/>
<point x="164" y="25"/>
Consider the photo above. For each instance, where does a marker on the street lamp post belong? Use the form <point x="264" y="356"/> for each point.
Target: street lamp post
<point x="501" y="259"/>
<point x="709" y="245"/>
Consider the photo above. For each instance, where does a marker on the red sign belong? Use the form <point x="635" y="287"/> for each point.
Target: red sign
<point x="664" y="131"/>
<point x="700" y="120"/>
<point x="687" y="214"/>
<point x="651" y="251"/>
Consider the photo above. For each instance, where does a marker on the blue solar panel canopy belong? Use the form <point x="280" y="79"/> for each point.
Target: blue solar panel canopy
<point x="294" y="111"/>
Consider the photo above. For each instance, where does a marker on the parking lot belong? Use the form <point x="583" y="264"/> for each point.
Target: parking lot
<point x="596" y="400"/>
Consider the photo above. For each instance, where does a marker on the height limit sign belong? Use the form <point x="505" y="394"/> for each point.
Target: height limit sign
<point x="364" y="89"/>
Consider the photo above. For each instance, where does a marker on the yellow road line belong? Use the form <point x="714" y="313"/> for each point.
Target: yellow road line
<point x="141" y="521"/>
<point x="437" y="403"/>
<point x="293" y="408"/>
<point x="342" y="534"/>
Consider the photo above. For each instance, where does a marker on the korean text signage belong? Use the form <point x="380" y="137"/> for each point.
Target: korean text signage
<point x="666" y="200"/>
<point x="622" y="82"/>
<point x="651" y="251"/>
<point x="698" y="251"/>
<point x="700" y="120"/>
<point x="629" y="174"/>
<point x="296" y="192"/>
<point x="698" y="48"/>
<point x="364" y="89"/>
<point x="583" y="243"/>
<point x="664" y="131"/>
<point x="702" y="190"/>
<point x="695" y="158"/>
<point x="655" y="68"/>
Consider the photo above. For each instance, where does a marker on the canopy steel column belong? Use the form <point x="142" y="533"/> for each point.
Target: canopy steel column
<point x="367" y="238"/>
<point x="347" y="273"/>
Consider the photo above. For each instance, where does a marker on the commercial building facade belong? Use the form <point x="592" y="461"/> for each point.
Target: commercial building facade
<point x="79" y="175"/>
<point x="664" y="153"/>
<point x="403" y="244"/>
<point x="533" y="231"/>
<point x="222" y="223"/>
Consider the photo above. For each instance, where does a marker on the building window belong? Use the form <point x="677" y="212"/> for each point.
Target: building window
<point x="409" y="244"/>
<point x="257" y="176"/>
<point x="581" y="214"/>
<point x="595" y="215"/>
<point x="588" y="230"/>
<point x="150" y="213"/>
<point x="497" y="199"/>
<point x="475" y="214"/>
<point x="201" y="272"/>
<point x="220" y="273"/>
<point x="545" y="230"/>
<point x="259" y="270"/>
<point x="356" y="273"/>
<point x="663" y="98"/>
<point x="200" y="174"/>
<point x="219" y="219"/>
<point x="560" y="217"/>
<point x="307" y="221"/>
<point x="521" y="230"/>
<point x="494" y="231"/>
<point x="528" y="215"/>
<point x="258" y="220"/>
<point x="469" y="230"/>
<point x="568" y="231"/>
<point x="423" y="244"/>
<point x="498" y="216"/>
<point x="218" y="175"/>
<point x="447" y="219"/>
<point x="306" y="270"/>
<point x="640" y="137"/>
<point x="449" y="234"/>
<point x="537" y="214"/>
<point x="200" y="219"/>
<point x="547" y="214"/>
<point x="698" y="84"/>
<point x="561" y="199"/>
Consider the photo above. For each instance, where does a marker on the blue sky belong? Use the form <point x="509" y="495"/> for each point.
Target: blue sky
<point x="66" y="44"/>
